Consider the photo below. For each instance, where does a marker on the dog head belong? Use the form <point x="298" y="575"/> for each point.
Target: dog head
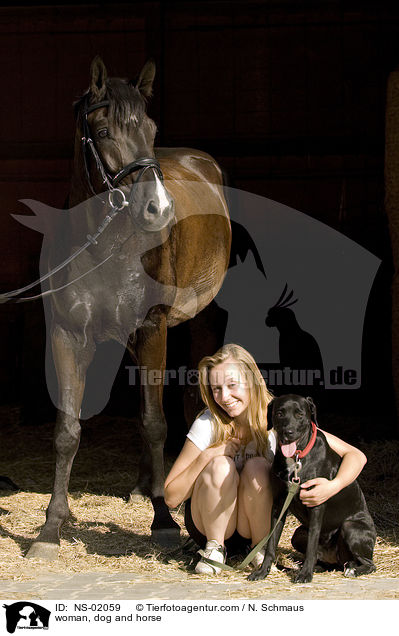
<point x="291" y="416"/>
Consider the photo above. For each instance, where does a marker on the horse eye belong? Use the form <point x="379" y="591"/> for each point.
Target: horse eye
<point x="103" y="133"/>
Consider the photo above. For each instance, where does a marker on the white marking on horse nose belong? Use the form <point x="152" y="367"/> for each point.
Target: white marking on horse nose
<point x="160" y="194"/>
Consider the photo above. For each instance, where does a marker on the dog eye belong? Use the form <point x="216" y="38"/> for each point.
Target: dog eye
<point x="103" y="133"/>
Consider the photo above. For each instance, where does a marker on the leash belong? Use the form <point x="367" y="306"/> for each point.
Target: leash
<point x="292" y="491"/>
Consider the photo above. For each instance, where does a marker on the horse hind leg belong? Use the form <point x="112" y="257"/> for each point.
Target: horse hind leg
<point x="151" y="355"/>
<point x="142" y="489"/>
<point x="71" y="361"/>
<point x="206" y="331"/>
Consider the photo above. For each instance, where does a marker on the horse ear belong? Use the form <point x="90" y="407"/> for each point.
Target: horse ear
<point x="270" y="415"/>
<point x="146" y="78"/>
<point x="312" y="408"/>
<point x="98" y="77"/>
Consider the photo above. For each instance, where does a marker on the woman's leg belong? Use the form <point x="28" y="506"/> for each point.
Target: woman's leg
<point x="255" y="500"/>
<point x="214" y="499"/>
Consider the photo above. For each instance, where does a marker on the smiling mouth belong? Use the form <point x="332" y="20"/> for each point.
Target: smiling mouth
<point x="231" y="405"/>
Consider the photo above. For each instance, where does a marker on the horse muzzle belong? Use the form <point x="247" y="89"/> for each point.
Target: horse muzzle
<point x="151" y="206"/>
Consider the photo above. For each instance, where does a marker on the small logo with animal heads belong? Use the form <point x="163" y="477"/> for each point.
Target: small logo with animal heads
<point x="298" y="349"/>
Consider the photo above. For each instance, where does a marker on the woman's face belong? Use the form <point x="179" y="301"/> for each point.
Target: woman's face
<point x="229" y="388"/>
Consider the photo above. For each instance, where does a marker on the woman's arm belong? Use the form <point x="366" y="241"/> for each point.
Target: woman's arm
<point x="352" y="463"/>
<point x="189" y="464"/>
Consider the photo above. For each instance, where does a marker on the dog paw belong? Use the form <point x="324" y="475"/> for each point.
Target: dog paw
<point x="258" y="575"/>
<point x="350" y="573"/>
<point x="303" y="577"/>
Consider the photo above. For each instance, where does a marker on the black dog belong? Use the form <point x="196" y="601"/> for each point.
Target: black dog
<point x="341" y="529"/>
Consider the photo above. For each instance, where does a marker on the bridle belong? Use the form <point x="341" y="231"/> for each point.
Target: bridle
<point x="140" y="165"/>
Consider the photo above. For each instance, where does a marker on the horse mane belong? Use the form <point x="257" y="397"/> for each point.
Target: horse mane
<point x="127" y="105"/>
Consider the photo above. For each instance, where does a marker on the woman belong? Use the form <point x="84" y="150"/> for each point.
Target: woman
<point x="223" y="470"/>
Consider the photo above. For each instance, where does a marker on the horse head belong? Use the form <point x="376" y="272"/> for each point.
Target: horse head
<point x="118" y="146"/>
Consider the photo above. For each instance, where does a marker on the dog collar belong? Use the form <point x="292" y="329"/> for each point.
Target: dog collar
<point x="300" y="454"/>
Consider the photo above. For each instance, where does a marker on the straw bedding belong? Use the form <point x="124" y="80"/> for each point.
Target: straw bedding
<point x="108" y="533"/>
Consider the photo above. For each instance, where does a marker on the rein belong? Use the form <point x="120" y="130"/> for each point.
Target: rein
<point x="11" y="296"/>
<point x="139" y="165"/>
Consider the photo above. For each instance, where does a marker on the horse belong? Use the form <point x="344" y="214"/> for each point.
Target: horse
<point x="157" y="250"/>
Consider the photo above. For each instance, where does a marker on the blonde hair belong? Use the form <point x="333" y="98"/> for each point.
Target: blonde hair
<point x="259" y="395"/>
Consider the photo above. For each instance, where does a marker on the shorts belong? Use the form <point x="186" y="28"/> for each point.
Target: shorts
<point x="235" y="545"/>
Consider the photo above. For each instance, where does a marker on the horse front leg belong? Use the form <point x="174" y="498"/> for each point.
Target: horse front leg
<point x="151" y="356"/>
<point x="72" y="358"/>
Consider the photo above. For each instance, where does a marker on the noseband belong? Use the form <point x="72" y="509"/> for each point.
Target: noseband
<point x="141" y="165"/>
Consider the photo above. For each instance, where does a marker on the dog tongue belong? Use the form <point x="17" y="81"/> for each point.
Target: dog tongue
<point x="288" y="449"/>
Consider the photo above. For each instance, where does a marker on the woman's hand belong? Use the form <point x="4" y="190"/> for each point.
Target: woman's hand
<point x="229" y="448"/>
<point x="316" y="491"/>
<point x="191" y="461"/>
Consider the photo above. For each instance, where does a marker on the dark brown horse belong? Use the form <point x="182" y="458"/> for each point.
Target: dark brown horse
<point x="160" y="261"/>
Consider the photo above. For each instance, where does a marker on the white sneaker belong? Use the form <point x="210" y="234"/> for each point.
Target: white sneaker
<point x="258" y="558"/>
<point x="214" y="551"/>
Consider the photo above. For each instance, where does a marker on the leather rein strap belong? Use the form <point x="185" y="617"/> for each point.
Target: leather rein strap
<point x="142" y="165"/>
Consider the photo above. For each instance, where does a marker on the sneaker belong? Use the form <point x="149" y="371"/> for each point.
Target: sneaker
<point x="215" y="552"/>
<point x="258" y="558"/>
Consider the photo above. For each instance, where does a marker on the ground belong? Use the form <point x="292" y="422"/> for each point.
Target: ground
<point x="106" y="551"/>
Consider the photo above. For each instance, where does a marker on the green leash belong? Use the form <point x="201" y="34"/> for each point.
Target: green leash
<point x="292" y="490"/>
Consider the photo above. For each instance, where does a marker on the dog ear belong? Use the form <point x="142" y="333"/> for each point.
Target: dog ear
<point x="312" y="408"/>
<point x="270" y="415"/>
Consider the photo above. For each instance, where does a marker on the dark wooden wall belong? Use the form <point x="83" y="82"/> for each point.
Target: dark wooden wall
<point x="289" y="96"/>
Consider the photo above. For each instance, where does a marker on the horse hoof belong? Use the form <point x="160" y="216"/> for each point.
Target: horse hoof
<point x="43" y="551"/>
<point x="166" y="537"/>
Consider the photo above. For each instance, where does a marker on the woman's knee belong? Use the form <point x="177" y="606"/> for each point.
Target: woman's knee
<point x="220" y="471"/>
<point x="256" y="474"/>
